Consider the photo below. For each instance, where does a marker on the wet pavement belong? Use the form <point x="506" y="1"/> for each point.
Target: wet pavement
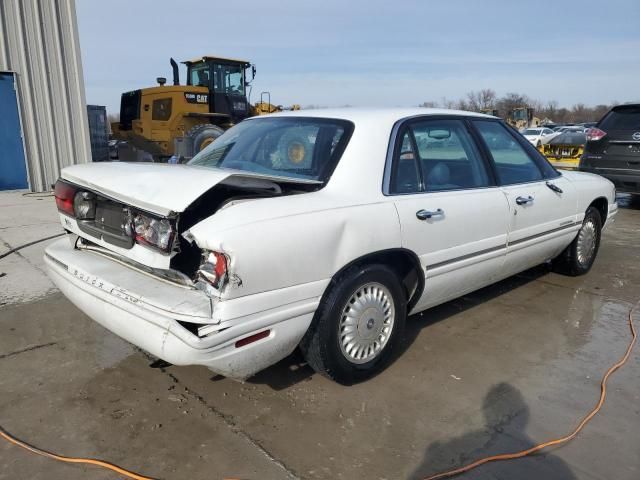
<point x="499" y="370"/>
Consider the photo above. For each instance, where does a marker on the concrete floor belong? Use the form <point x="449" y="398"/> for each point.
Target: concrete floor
<point x="496" y="371"/>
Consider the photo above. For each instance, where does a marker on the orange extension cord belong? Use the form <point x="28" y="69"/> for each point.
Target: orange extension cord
<point x="450" y="473"/>
<point x="556" y="441"/>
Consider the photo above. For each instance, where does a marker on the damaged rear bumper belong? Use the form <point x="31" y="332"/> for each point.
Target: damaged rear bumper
<point x="155" y="314"/>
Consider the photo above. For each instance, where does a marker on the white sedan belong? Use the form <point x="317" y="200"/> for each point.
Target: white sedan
<point x="538" y="136"/>
<point x="320" y="229"/>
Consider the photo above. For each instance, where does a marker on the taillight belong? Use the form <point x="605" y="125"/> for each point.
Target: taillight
<point x="594" y="134"/>
<point x="152" y="231"/>
<point x="213" y="269"/>
<point x="64" y="193"/>
<point x="84" y="205"/>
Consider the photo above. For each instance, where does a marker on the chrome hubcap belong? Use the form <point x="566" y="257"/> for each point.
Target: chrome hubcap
<point x="366" y="323"/>
<point x="586" y="242"/>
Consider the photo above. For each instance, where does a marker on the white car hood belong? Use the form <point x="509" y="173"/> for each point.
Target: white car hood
<point x="157" y="187"/>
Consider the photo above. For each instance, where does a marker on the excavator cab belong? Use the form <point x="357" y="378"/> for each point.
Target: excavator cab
<point x="227" y="82"/>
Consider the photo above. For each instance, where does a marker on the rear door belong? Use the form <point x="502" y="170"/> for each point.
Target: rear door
<point x="452" y="214"/>
<point x="542" y="203"/>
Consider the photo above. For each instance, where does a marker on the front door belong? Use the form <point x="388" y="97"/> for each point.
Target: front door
<point x="451" y="212"/>
<point x="13" y="170"/>
<point x="542" y="204"/>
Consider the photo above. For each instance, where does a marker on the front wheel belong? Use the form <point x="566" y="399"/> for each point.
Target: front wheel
<point x="578" y="257"/>
<point x="358" y="324"/>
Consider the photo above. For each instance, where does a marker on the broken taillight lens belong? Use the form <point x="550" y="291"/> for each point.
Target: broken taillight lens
<point x="84" y="205"/>
<point x="213" y="269"/>
<point x="64" y="194"/>
<point x="152" y="231"/>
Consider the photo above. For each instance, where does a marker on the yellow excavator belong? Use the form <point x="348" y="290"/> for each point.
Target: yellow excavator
<point x="157" y="123"/>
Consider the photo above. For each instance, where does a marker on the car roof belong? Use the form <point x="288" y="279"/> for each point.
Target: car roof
<point x="384" y="115"/>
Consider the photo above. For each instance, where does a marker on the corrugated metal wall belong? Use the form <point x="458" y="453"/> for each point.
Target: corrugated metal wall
<point x="39" y="42"/>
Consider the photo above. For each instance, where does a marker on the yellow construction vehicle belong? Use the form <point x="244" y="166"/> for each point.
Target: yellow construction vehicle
<point x="159" y="122"/>
<point x="522" y="117"/>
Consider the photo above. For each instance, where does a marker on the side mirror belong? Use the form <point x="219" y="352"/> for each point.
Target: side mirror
<point x="253" y="75"/>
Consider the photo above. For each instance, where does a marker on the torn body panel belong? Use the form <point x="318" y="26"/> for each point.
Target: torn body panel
<point x="260" y="239"/>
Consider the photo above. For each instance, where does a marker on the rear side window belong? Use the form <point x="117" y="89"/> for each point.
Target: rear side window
<point x="513" y="163"/>
<point x="622" y="118"/>
<point x="406" y="176"/>
<point x="436" y="155"/>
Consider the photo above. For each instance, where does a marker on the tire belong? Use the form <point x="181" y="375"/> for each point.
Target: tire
<point x="326" y="346"/>
<point x="202" y="135"/>
<point x="578" y="257"/>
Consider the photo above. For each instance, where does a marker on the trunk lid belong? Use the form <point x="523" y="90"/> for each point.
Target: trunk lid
<point x="185" y="194"/>
<point x="160" y="188"/>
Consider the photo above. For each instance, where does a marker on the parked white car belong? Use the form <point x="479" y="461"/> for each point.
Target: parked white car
<point x="320" y="229"/>
<point x="538" y="136"/>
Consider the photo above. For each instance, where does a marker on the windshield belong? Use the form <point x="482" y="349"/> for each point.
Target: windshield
<point x="228" y="79"/>
<point x="307" y="148"/>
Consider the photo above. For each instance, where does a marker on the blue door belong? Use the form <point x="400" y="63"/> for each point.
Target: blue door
<point x="13" y="171"/>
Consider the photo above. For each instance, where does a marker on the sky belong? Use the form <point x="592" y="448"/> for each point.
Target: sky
<point x="372" y="53"/>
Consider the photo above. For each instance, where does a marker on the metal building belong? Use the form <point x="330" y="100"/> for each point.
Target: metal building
<point x="43" y="113"/>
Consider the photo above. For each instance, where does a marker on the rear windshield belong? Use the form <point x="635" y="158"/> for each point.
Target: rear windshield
<point x="307" y="148"/>
<point x="622" y="118"/>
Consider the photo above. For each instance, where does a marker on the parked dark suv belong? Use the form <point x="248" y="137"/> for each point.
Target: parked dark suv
<point x="613" y="148"/>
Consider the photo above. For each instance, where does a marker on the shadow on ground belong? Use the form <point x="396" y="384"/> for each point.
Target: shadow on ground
<point x="506" y="418"/>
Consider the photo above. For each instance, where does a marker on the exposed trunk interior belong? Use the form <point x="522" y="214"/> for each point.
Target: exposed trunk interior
<point x="188" y="258"/>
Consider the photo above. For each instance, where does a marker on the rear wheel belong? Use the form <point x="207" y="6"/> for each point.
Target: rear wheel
<point x="578" y="257"/>
<point x="357" y="326"/>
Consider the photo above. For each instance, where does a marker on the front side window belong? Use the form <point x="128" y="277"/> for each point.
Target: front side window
<point x="512" y="162"/>
<point x="442" y="154"/>
<point x="200" y="75"/>
<point x="307" y="148"/>
<point x="228" y="79"/>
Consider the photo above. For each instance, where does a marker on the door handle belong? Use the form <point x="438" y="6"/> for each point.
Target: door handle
<point x="553" y="187"/>
<point x="425" y="214"/>
<point x="524" y="200"/>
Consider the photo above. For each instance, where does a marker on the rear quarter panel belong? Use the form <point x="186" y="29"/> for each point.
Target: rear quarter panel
<point x="283" y="242"/>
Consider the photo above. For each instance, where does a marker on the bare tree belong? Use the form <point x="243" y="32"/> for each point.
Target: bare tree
<point x="429" y="104"/>
<point x="484" y="99"/>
